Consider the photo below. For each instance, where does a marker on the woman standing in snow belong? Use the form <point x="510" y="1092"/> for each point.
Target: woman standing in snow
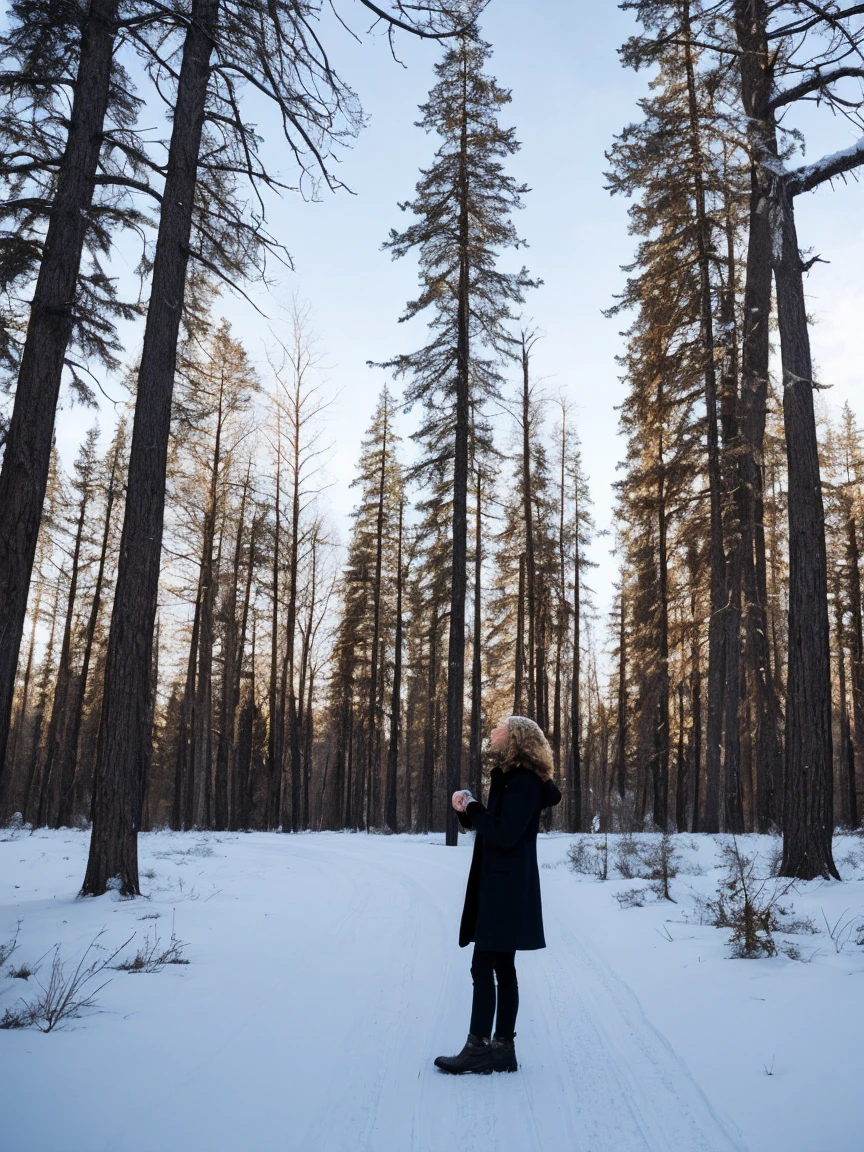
<point x="502" y="912"/>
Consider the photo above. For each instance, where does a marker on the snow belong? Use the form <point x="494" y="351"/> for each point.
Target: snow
<point x="810" y="175"/>
<point x="324" y="977"/>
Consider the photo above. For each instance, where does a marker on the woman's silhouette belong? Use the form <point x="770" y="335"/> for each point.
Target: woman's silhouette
<point x="502" y="912"/>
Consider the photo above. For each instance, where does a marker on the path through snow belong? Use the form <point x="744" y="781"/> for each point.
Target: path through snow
<point x="324" y="978"/>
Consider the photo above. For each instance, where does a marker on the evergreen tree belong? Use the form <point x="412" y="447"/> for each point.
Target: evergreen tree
<point x="369" y="619"/>
<point x="462" y="207"/>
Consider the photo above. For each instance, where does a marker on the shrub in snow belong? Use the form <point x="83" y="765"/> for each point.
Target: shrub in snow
<point x="154" y="955"/>
<point x="628" y="859"/>
<point x="65" y="994"/>
<point x="632" y="897"/>
<point x="590" y="855"/>
<point x="749" y="905"/>
<point x="662" y="861"/>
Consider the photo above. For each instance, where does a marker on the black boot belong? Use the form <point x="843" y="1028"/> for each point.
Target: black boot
<point x="476" y="1056"/>
<point x="504" y="1055"/>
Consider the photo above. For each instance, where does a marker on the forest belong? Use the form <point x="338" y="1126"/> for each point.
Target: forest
<point x="185" y="640"/>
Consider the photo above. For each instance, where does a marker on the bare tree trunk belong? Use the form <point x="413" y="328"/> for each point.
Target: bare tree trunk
<point x="49" y="801"/>
<point x="847" y="754"/>
<point x="31" y="796"/>
<point x="574" y="789"/>
<point x="125" y="730"/>
<point x="661" y="725"/>
<point x="240" y="759"/>
<point x="621" y="743"/>
<point x="695" y="742"/>
<point x="183" y="775"/>
<point x="681" y="767"/>
<point x="520" y="640"/>
<point x="27" y="450"/>
<point x="224" y="796"/>
<point x="475" y="746"/>
<point x="808" y="802"/>
<point x="733" y="500"/>
<point x="68" y="764"/>
<point x="274" y="743"/>
<point x="854" y="577"/>
<point x="528" y="517"/>
<point x="426" y="807"/>
<point x="293" y="821"/>
<point x="202" y="760"/>
<point x="390" y="804"/>
<point x="373" y="751"/>
<point x="12" y="751"/>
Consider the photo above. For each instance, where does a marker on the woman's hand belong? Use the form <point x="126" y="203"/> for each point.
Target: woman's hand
<point x="461" y="799"/>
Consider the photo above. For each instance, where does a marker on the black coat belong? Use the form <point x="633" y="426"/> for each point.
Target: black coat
<point x="502" y="910"/>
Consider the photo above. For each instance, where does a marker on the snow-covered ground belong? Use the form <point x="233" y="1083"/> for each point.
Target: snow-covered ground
<point x="324" y="977"/>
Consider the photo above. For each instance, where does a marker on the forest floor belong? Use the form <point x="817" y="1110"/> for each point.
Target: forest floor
<point x="323" y="977"/>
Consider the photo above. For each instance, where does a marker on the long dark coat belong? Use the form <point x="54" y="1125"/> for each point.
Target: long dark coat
<point x="502" y="911"/>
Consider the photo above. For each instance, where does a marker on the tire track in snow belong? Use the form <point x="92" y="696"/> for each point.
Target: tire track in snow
<point x="627" y="1084"/>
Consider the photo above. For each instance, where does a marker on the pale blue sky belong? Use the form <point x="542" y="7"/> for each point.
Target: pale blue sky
<point x="570" y="96"/>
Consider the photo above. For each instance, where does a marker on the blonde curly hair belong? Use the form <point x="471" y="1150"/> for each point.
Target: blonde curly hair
<point x="528" y="747"/>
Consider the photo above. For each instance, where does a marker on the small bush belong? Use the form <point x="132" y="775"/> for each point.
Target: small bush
<point x="64" y="996"/>
<point x="662" y="860"/>
<point x="751" y="907"/>
<point x="590" y="855"/>
<point x="23" y="972"/>
<point x="632" y="897"/>
<point x="628" y="859"/>
<point x="153" y="955"/>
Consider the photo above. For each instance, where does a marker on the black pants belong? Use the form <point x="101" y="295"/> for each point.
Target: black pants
<point x="485" y="968"/>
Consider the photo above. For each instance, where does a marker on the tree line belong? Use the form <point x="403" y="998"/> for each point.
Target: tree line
<point x="197" y="651"/>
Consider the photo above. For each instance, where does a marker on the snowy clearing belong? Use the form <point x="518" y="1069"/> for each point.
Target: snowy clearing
<point x="324" y="977"/>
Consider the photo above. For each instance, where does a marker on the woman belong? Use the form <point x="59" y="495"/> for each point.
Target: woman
<point x="502" y="910"/>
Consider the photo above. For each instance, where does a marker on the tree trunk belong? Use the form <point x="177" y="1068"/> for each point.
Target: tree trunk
<point x="847" y="754"/>
<point x="475" y="746"/>
<point x="202" y="760"/>
<point x="125" y="729"/>
<point x="290" y="641"/>
<point x="519" y="674"/>
<point x="390" y="806"/>
<point x="13" y="750"/>
<point x="621" y="743"/>
<point x="31" y="799"/>
<point x="854" y="577"/>
<point x="528" y="517"/>
<point x="756" y="91"/>
<point x="717" y="559"/>
<point x="574" y="789"/>
<point x="49" y="802"/>
<point x="27" y="450"/>
<point x="661" y="725"/>
<point x="373" y="751"/>
<point x="274" y="738"/>
<point x="224" y="796"/>
<point x="239" y="816"/>
<point x="183" y="777"/>
<point x="808" y="801"/>
<point x="458" y="577"/>
<point x="733" y="501"/>
<point x="68" y="763"/>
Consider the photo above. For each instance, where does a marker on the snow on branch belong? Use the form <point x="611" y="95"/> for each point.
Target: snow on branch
<point x="812" y="175"/>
